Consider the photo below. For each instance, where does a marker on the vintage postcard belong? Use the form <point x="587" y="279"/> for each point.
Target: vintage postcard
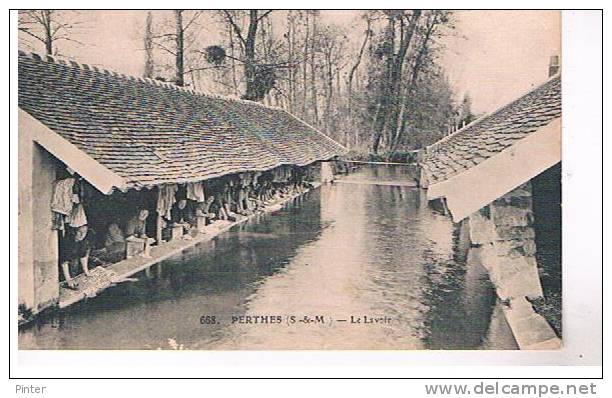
<point x="279" y="180"/>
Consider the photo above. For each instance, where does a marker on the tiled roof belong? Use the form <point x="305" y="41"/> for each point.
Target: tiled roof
<point x="151" y="133"/>
<point x="493" y="133"/>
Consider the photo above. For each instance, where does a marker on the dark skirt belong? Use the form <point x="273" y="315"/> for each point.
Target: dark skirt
<point x="70" y="250"/>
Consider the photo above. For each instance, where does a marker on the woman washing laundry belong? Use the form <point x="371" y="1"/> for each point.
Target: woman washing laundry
<point x="136" y="226"/>
<point x="135" y="230"/>
<point x="205" y="209"/>
<point x="114" y="244"/>
<point x="76" y="246"/>
<point x="184" y="215"/>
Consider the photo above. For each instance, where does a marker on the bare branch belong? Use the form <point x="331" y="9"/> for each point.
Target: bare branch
<point x="161" y="46"/>
<point x="196" y="15"/>
<point x="237" y="29"/>
<point x="66" y="38"/>
<point x="25" y="30"/>
<point x="265" y="14"/>
<point x="205" y="68"/>
<point x="223" y="84"/>
<point x="163" y="36"/>
<point x="281" y="92"/>
<point x="242" y="61"/>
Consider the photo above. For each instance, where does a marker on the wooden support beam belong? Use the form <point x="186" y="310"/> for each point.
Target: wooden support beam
<point x="158" y="236"/>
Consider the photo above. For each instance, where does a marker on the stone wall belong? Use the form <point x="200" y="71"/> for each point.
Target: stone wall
<point x="320" y="172"/>
<point x="503" y="240"/>
<point x="46" y="271"/>
<point x="505" y="230"/>
<point x="38" y="272"/>
<point x="25" y="251"/>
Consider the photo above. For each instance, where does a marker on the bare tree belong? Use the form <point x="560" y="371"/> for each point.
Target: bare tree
<point x="351" y="76"/>
<point x="313" y="67"/>
<point x="331" y="45"/>
<point x="290" y="37"/>
<point x="47" y="27"/>
<point x="256" y="86"/>
<point x="433" y="21"/>
<point x="175" y="41"/>
<point x="180" y="48"/>
<point x="148" y="47"/>
<point x="232" y="47"/>
<point x="394" y="60"/>
<point x="305" y="64"/>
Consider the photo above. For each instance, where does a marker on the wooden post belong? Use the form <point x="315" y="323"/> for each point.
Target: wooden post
<point x="201" y="223"/>
<point x="159" y="221"/>
<point x="327" y="175"/>
<point x="178" y="230"/>
<point x="159" y="229"/>
<point x="134" y="246"/>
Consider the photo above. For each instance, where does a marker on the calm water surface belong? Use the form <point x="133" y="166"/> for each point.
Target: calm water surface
<point x="342" y="250"/>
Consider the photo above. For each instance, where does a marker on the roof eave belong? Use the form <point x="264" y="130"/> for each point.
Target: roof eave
<point x="102" y="178"/>
<point x="501" y="173"/>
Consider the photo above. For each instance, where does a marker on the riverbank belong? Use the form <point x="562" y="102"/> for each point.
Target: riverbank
<point x="103" y="277"/>
<point x="399" y="156"/>
<point x="503" y="244"/>
<point x="340" y="250"/>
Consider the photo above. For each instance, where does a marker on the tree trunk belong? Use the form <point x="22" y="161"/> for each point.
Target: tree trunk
<point x="248" y="45"/>
<point x="401" y="117"/>
<point x="398" y="130"/>
<point x="249" y="55"/>
<point x="377" y="132"/>
<point x="385" y="86"/>
<point x="179" y="79"/>
<point x="356" y="66"/>
<point x="329" y="86"/>
<point x="396" y="73"/>
<point x="48" y="33"/>
<point x="233" y="58"/>
<point x="294" y="69"/>
<point x="148" y="47"/>
<point x="291" y="51"/>
<point x="305" y="67"/>
<point x="313" y="78"/>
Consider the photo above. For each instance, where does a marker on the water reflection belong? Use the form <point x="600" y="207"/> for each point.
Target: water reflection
<point x="342" y="250"/>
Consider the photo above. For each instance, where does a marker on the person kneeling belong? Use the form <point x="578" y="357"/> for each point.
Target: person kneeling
<point x="182" y="218"/>
<point x="78" y="247"/>
<point x="137" y="240"/>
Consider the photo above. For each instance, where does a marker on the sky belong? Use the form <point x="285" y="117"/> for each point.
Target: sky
<point x="501" y="54"/>
<point x="495" y="56"/>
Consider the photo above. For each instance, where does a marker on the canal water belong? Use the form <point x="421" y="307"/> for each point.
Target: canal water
<point x="360" y="264"/>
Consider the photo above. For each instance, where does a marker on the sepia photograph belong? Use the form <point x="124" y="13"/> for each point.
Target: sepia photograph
<point x="289" y="179"/>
